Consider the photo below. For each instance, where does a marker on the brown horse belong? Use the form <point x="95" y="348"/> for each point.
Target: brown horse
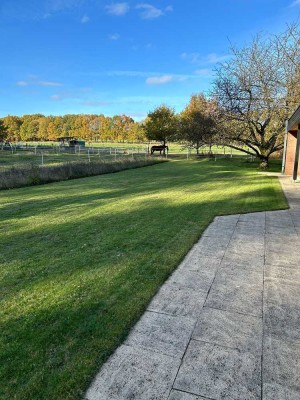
<point x="161" y="148"/>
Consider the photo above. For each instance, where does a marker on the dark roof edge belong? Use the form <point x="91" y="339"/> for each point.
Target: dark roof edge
<point x="294" y="121"/>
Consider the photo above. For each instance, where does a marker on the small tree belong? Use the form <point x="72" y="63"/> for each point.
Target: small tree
<point x="197" y="122"/>
<point x="161" y="124"/>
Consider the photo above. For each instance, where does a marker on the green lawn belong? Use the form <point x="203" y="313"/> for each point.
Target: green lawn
<point x="81" y="259"/>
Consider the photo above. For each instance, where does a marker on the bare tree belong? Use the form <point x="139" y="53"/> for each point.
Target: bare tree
<point x="257" y="89"/>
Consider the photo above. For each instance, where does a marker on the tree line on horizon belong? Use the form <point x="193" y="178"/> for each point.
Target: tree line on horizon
<point x="90" y="127"/>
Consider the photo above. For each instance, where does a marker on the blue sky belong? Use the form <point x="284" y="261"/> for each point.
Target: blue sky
<point x="123" y="57"/>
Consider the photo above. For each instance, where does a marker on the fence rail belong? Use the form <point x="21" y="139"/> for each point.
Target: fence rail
<point x="23" y="155"/>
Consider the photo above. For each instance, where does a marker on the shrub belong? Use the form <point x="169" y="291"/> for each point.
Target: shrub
<point x="35" y="175"/>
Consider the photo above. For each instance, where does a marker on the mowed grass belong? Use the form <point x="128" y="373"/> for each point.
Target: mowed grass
<point x="81" y="259"/>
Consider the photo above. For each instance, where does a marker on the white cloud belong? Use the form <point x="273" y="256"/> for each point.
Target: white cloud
<point x="213" y="58"/>
<point x="148" y="11"/>
<point x="153" y="77"/>
<point x="139" y="74"/>
<point x="197" y="58"/>
<point x="22" y="83"/>
<point x="114" y="36"/>
<point x="33" y="81"/>
<point x="85" y="19"/>
<point x="159" y="80"/>
<point x="203" y="72"/>
<point x="117" y="9"/>
<point x="295" y="3"/>
<point x="47" y="83"/>
<point x="192" y="57"/>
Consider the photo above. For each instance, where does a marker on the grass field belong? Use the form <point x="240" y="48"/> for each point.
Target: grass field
<point x="23" y="159"/>
<point x="51" y="154"/>
<point x="81" y="259"/>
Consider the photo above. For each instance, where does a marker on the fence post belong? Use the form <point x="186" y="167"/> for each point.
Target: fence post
<point x="115" y="154"/>
<point x="42" y="158"/>
<point x="89" y="157"/>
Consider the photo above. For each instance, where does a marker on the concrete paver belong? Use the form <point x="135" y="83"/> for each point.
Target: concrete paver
<point x="274" y="391"/>
<point x="282" y="321"/>
<point x="176" y="300"/>
<point x="281" y="363"/>
<point x="162" y="333"/>
<point x="236" y="296"/>
<point x="134" y="373"/>
<point x="219" y="372"/>
<point x="196" y="280"/>
<point x="228" y="329"/>
<point x="176" y="395"/>
<point x="226" y="324"/>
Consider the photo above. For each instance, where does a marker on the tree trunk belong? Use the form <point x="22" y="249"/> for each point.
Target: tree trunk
<point x="164" y="149"/>
<point x="264" y="162"/>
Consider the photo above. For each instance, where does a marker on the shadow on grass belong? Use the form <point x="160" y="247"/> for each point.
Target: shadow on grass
<point x="147" y="181"/>
<point x="73" y="287"/>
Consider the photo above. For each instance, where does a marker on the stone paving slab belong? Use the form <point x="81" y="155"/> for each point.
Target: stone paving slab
<point x="176" y="395"/>
<point x="285" y="273"/>
<point x="283" y="257"/>
<point x="219" y="231"/>
<point x="219" y="372"/>
<point x="277" y="392"/>
<point x="196" y="280"/>
<point x="227" y="219"/>
<point x="247" y="228"/>
<point x="229" y="329"/>
<point x="134" y="373"/>
<point x="229" y="273"/>
<point x="237" y="246"/>
<point x="281" y="363"/>
<point x="282" y="322"/>
<point x="245" y="258"/>
<point x="252" y="236"/>
<point x="200" y="262"/>
<point x="258" y="218"/>
<point x="282" y="293"/>
<point x="226" y="324"/>
<point x="213" y="246"/>
<point x="176" y="300"/>
<point x="236" y="297"/>
<point x="162" y="333"/>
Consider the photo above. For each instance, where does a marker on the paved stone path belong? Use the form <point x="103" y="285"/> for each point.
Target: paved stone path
<point x="226" y="325"/>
